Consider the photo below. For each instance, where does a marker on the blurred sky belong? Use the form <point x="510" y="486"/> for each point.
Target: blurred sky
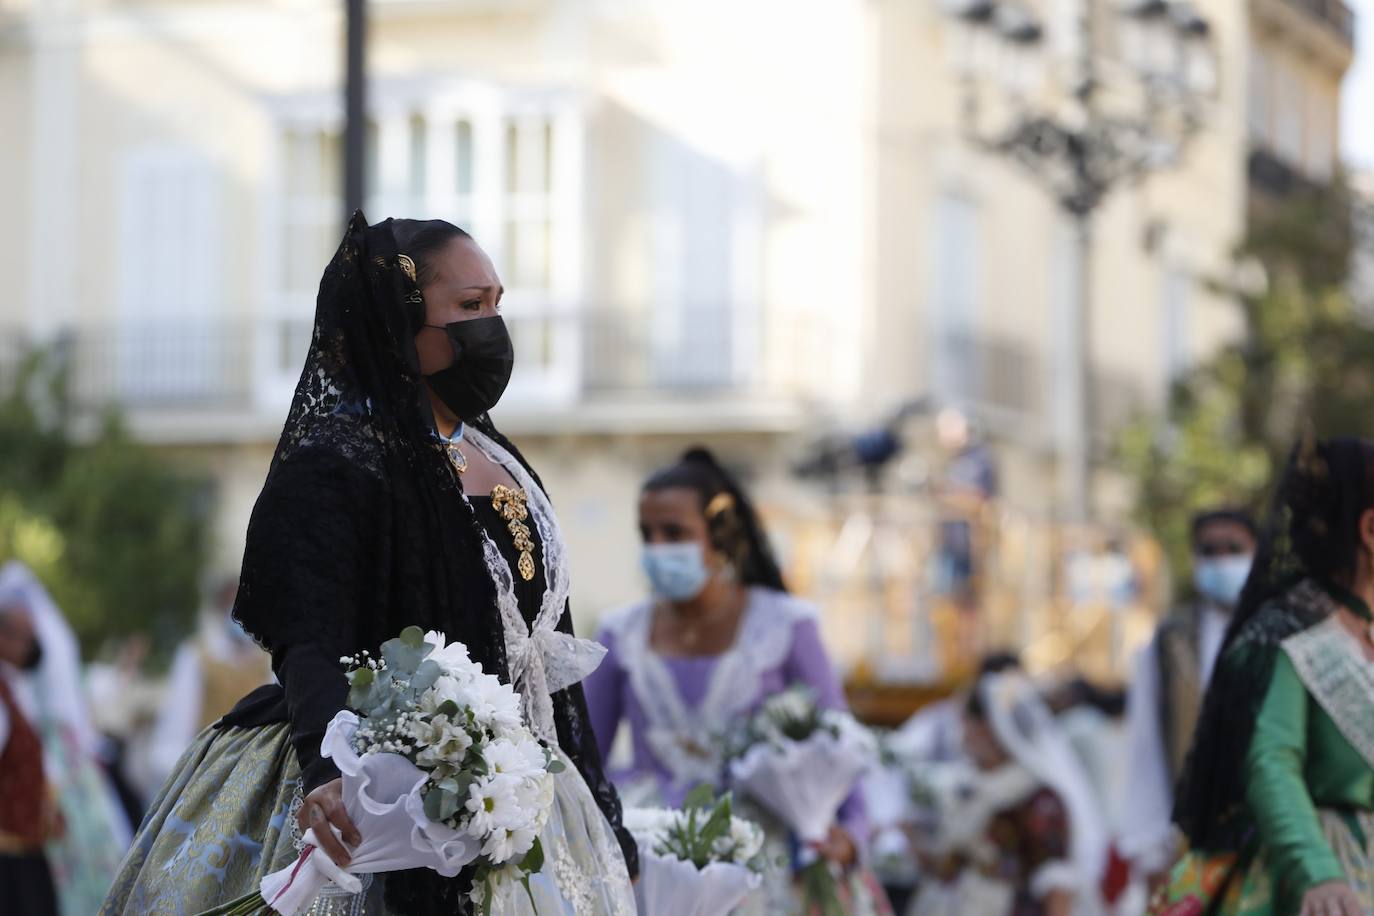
<point x="1358" y="116"/>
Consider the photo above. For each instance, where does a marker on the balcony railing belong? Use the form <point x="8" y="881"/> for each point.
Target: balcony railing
<point x="1008" y="381"/>
<point x="562" y="357"/>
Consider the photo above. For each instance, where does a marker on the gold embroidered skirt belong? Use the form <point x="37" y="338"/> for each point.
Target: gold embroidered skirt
<point x="220" y="823"/>
<point x="223" y="821"/>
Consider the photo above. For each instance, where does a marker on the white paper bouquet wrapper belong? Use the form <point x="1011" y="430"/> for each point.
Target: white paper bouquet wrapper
<point x="381" y="793"/>
<point x="804" y="782"/>
<point x="668" y="886"/>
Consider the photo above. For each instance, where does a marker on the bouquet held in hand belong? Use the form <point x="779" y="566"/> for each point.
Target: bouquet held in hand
<point x="801" y="762"/>
<point x="699" y="860"/>
<point x="439" y="771"/>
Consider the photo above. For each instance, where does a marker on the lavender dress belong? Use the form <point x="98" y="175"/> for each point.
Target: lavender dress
<point x="678" y="706"/>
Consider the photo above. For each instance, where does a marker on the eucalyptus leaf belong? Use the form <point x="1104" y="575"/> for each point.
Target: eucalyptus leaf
<point x="448" y="804"/>
<point x="425" y="676"/>
<point x="402" y="657"/>
<point x="433" y="803"/>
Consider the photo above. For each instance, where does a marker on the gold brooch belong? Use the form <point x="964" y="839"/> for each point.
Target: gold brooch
<point x="510" y="504"/>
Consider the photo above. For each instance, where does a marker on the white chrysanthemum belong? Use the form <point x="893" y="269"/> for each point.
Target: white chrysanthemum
<point x="649" y="825"/>
<point x="496" y="705"/>
<point x="493" y="805"/>
<point x="746" y="837"/>
<point x="511" y="759"/>
<point x="504" y="844"/>
<point x="453" y="658"/>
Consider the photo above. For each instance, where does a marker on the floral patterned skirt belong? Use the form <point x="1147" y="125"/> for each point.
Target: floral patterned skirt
<point x="1245" y="885"/>
<point x="225" y="819"/>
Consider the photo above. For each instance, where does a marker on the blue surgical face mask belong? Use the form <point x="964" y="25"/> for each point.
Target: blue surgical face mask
<point x="1221" y="579"/>
<point x="676" y="571"/>
<point x="236" y="633"/>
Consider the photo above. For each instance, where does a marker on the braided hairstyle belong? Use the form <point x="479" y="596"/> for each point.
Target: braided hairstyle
<point x="731" y="522"/>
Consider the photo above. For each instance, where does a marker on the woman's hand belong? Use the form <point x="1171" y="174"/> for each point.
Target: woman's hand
<point x="324" y="807"/>
<point x="839" y="847"/>
<point x="1333" y="898"/>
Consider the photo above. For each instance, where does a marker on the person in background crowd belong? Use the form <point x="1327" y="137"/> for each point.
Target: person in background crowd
<point x="1024" y="838"/>
<point x="932" y="737"/>
<point x="720" y="635"/>
<point x="1277" y="798"/>
<point x="1167" y="686"/>
<point x="211" y="671"/>
<point x="28" y="812"/>
<point x="968" y="482"/>
<point x="1093" y="720"/>
<point x="126" y="722"/>
<point x="936" y="732"/>
<point x="95" y="835"/>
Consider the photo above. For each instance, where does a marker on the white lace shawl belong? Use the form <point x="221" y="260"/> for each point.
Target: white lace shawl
<point x="542" y="660"/>
<point x="687" y="740"/>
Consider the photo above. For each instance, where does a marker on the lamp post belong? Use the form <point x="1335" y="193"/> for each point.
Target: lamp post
<point x="1097" y="104"/>
<point x="355" y="103"/>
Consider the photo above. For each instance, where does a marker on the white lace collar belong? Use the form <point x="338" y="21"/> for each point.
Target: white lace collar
<point x="686" y="739"/>
<point x="542" y="660"/>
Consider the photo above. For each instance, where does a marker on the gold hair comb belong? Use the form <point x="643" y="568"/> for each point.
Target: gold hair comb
<point x="407" y="265"/>
<point x="721" y="502"/>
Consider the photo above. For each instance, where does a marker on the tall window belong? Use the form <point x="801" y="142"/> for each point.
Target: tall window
<point x="1321" y="130"/>
<point x="172" y="337"/>
<point x="1259" y="106"/>
<point x="955" y="295"/>
<point x="1288" y="113"/>
<point x="528" y="227"/>
<point x="1176" y="294"/>
<point x="506" y="172"/>
<point x="313" y="178"/>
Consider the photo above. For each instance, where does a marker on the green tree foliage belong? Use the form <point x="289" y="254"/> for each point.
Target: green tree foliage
<point x="116" y="534"/>
<point x="1305" y="357"/>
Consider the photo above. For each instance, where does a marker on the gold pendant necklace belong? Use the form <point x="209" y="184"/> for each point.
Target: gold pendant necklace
<point x="456" y="456"/>
<point x="510" y="504"/>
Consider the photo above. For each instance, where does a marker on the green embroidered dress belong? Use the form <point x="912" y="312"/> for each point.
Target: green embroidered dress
<point x="1309" y="787"/>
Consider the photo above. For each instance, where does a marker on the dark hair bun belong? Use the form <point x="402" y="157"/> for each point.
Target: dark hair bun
<point x="700" y="454"/>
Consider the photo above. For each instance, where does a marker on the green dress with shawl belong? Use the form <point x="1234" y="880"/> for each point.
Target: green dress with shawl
<point x="1309" y="785"/>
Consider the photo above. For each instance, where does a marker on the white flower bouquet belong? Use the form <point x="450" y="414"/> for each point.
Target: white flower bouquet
<point x="801" y="762"/>
<point x="439" y="771"/>
<point x="699" y="860"/>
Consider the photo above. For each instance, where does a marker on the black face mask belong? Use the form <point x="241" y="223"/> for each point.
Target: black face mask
<point x="483" y="358"/>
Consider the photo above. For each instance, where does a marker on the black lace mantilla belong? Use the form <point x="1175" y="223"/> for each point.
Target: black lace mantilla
<point x="361" y="530"/>
<point x="1210" y="808"/>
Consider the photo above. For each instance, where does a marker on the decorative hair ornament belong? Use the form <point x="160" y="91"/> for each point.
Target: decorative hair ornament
<point x="407" y="266"/>
<point x="720" y="503"/>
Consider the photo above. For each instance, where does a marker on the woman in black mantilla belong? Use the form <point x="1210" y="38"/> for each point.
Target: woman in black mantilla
<point x="392" y="500"/>
<point x="1277" y="798"/>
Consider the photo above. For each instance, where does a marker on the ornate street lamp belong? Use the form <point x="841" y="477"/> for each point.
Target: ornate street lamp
<point x="1086" y="109"/>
